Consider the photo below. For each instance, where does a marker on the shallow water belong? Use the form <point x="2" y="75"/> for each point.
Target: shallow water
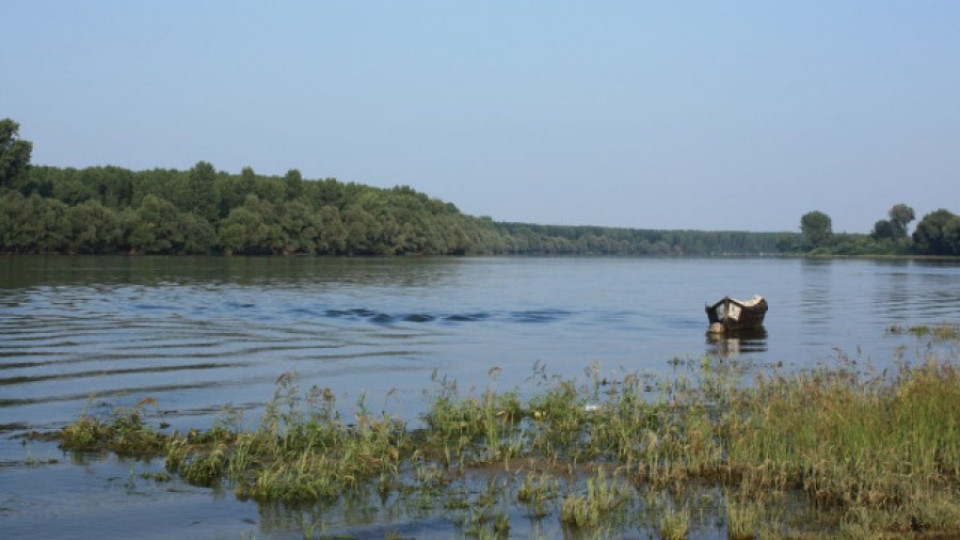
<point x="85" y="334"/>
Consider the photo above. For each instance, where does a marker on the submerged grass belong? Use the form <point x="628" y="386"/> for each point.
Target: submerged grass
<point x="846" y="453"/>
<point x="939" y="332"/>
<point x="602" y="498"/>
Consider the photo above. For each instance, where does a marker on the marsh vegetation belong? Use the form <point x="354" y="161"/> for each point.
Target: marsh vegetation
<point x="718" y="445"/>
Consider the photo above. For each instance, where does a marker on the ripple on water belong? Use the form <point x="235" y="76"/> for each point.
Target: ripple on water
<point x="199" y="341"/>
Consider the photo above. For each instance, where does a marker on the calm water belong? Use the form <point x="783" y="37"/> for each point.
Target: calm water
<point x="88" y="334"/>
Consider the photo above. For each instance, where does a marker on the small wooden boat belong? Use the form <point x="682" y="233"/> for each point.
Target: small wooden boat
<point x="733" y="314"/>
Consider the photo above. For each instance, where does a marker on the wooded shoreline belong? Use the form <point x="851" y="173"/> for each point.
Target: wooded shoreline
<point x="112" y="210"/>
<point x="109" y="210"/>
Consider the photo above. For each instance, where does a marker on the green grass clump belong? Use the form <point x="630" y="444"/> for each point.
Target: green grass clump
<point x="845" y="442"/>
<point x="675" y="524"/>
<point x="302" y="456"/>
<point x="474" y="429"/>
<point x="123" y="432"/>
<point x="536" y="491"/>
<point x="602" y="498"/>
<point x="939" y="332"/>
<point x="746" y="517"/>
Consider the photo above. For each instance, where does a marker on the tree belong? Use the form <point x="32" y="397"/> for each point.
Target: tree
<point x="15" y="215"/>
<point x="362" y="230"/>
<point x="882" y="230"/>
<point x="938" y="233"/>
<point x="294" y="184"/>
<point x="333" y="235"/>
<point x="900" y="216"/>
<point x="300" y="226"/>
<point x="70" y="188"/>
<point x="204" y="200"/>
<point x="154" y="226"/>
<point x="239" y="232"/>
<point x="816" y="229"/>
<point x="43" y="227"/>
<point x="113" y="186"/>
<point x="252" y="229"/>
<point x="93" y="228"/>
<point x="231" y="194"/>
<point x="248" y="181"/>
<point x="195" y="236"/>
<point x="14" y="153"/>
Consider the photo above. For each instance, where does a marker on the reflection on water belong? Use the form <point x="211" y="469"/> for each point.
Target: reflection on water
<point x="735" y="342"/>
<point x="816" y="292"/>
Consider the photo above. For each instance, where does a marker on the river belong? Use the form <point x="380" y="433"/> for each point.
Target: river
<point x="86" y="334"/>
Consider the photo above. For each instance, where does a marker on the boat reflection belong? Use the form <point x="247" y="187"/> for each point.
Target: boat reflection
<point x="734" y="342"/>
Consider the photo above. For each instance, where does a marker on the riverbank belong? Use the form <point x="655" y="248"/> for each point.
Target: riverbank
<point x="719" y="445"/>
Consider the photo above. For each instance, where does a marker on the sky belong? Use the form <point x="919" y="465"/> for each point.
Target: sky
<point x="712" y="115"/>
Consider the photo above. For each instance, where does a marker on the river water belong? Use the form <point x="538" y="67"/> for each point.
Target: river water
<point x="86" y="334"/>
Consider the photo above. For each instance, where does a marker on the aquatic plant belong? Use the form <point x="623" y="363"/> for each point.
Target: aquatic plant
<point x="536" y="491"/>
<point x="848" y="451"/>
<point x="602" y="497"/>
<point x="939" y="332"/>
<point x="123" y="432"/>
<point x="745" y="516"/>
<point x="675" y="523"/>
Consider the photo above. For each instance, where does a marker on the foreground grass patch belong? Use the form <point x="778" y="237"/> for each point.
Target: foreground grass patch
<point x="824" y="452"/>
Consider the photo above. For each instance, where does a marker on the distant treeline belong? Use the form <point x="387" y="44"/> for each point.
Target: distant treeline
<point x="101" y="210"/>
<point x="558" y="239"/>
<point x="938" y="234"/>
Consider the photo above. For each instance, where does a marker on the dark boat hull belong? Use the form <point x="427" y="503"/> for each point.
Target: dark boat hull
<point x="737" y="315"/>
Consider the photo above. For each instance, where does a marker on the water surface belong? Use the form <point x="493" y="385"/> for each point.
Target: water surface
<point x="85" y="334"/>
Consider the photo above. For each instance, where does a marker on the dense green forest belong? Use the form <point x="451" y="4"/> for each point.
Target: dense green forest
<point x="110" y="210"/>
<point x="103" y="210"/>
<point x="114" y="210"/>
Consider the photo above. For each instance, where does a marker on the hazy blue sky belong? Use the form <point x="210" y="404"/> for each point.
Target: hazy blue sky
<point x="636" y="114"/>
